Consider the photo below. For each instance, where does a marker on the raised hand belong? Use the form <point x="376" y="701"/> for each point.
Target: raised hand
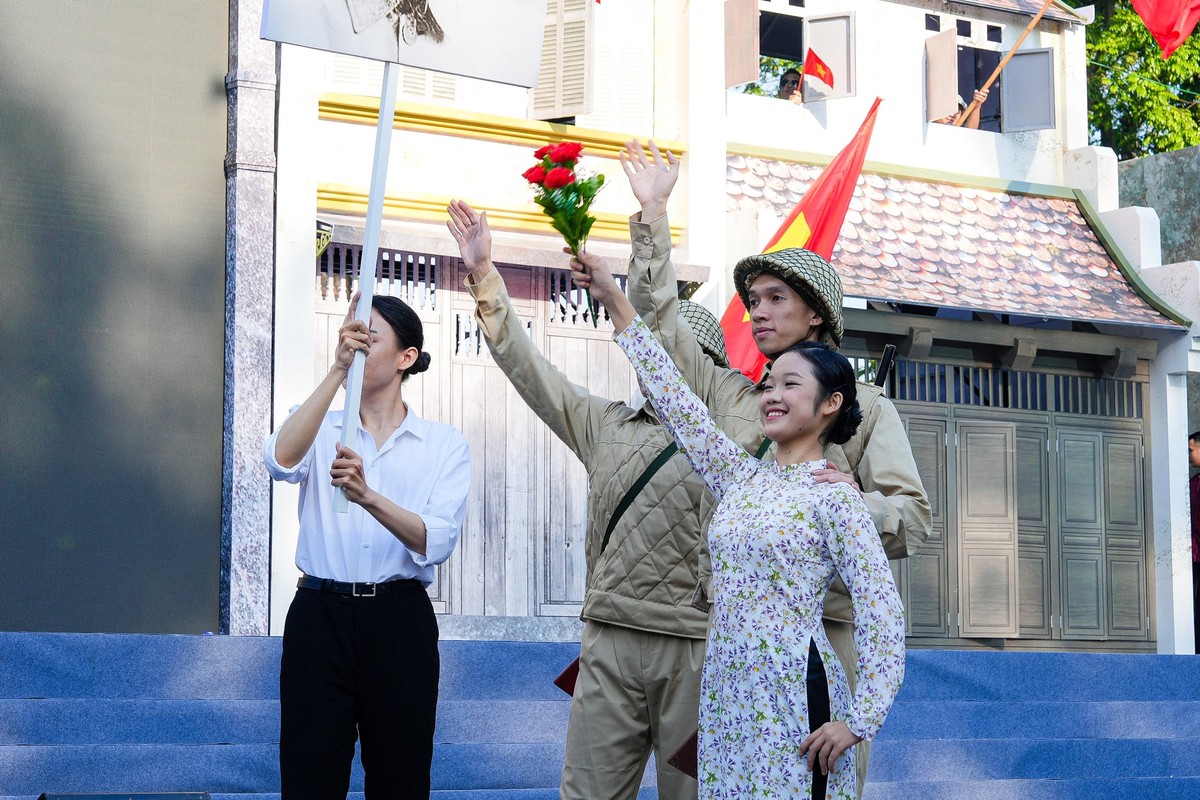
<point x="651" y="179"/>
<point x="470" y="230"/>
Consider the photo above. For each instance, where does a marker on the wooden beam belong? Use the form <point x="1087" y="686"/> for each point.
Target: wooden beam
<point x="1020" y="356"/>
<point x="1122" y="364"/>
<point x="917" y="344"/>
<point x="861" y="322"/>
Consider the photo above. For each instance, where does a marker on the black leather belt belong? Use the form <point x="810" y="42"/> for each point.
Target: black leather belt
<point x="354" y="589"/>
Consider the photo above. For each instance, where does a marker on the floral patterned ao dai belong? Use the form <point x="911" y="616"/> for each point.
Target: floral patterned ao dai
<point x="776" y="539"/>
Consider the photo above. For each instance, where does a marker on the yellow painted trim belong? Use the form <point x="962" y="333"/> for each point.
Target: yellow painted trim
<point x="341" y="199"/>
<point x="361" y="110"/>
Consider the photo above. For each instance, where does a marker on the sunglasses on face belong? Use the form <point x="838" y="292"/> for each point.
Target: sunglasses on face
<point x="791" y="82"/>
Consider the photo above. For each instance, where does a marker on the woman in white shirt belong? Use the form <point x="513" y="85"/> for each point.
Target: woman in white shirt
<point x="360" y="656"/>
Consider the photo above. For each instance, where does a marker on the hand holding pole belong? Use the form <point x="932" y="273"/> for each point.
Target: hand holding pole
<point x="370" y="260"/>
<point x="1003" y="63"/>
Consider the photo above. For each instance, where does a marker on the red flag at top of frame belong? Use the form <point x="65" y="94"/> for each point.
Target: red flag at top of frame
<point x="1170" y="22"/>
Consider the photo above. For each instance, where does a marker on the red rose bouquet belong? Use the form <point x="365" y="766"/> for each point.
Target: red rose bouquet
<point x="565" y="195"/>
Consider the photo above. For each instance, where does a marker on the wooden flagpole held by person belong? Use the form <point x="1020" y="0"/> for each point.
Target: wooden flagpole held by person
<point x="368" y="264"/>
<point x="1000" y="67"/>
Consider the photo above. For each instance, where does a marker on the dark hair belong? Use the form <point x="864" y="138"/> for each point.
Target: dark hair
<point x="1195" y="437"/>
<point x="407" y="327"/>
<point x="835" y="375"/>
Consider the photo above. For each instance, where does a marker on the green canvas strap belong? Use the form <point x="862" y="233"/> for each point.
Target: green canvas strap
<point x="648" y="473"/>
<point x="636" y="489"/>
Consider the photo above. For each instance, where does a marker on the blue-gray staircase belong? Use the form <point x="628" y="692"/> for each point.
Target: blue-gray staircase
<point x="113" y="713"/>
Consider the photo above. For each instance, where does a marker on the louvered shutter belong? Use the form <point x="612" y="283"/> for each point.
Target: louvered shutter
<point x="564" y="77"/>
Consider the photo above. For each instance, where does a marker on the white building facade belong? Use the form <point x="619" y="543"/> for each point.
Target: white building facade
<point x="1052" y="571"/>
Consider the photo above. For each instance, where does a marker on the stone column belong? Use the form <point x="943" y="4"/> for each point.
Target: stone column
<point x="249" y="273"/>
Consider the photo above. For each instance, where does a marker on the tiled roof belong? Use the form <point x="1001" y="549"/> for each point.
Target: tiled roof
<point x="939" y="244"/>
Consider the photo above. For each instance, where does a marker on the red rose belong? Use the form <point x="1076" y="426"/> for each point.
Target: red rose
<point x="559" y="177"/>
<point x="542" y="152"/>
<point x="567" y="151"/>
<point x="535" y="175"/>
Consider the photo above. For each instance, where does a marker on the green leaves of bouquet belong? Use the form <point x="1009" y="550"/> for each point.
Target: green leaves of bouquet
<point x="565" y="196"/>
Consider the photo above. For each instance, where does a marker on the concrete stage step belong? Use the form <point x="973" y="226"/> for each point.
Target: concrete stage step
<point x="126" y="714"/>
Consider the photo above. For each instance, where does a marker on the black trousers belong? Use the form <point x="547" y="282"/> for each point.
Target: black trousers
<point x="818" y="711"/>
<point x="1196" y="603"/>
<point x="358" y="668"/>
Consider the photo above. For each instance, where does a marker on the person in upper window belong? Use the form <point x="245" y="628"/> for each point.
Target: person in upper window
<point x="789" y="86"/>
<point x="973" y="120"/>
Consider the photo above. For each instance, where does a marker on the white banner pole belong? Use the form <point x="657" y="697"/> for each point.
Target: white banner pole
<point x="370" y="260"/>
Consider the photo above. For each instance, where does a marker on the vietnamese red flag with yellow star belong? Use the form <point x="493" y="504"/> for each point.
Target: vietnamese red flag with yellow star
<point x="813" y="65"/>
<point x="814" y="224"/>
<point x="1170" y="22"/>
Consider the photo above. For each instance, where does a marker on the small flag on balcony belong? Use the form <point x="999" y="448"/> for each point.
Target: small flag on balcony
<point x="813" y="65"/>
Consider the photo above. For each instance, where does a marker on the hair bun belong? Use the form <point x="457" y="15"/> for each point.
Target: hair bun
<point x="845" y="426"/>
<point x="420" y="365"/>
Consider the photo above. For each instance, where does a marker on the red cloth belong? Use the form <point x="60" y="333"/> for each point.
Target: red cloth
<point x="813" y="65"/>
<point x="814" y="223"/>
<point x="1170" y="22"/>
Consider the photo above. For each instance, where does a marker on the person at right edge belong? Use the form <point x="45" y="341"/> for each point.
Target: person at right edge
<point x="1194" y="494"/>
<point x="792" y="295"/>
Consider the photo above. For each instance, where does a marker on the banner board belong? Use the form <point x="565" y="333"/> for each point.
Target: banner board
<point x="495" y="40"/>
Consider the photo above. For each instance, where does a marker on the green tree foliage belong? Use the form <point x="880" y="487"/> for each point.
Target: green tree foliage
<point x="769" y="72"/>
<point x="1139" y="104"/>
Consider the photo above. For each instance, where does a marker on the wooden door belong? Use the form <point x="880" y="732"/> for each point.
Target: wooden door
<point x="987" y="524"/>
<point x="1033" y="530"/>
<point x="1083" y="579"/>
<point x="924" y="576"/>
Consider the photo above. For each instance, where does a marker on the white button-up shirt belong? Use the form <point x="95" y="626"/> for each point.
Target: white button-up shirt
<point x="423" y="467"/>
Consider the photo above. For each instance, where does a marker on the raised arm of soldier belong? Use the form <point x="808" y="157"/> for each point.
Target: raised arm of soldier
<point x="653" y="290"/>
<point x="570" y="410"/>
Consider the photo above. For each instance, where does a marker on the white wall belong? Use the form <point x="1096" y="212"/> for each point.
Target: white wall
<point x="891" y="64"/>
<point x="1136" y="231"/>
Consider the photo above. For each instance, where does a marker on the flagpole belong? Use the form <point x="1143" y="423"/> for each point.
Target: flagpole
<point x="1000" y="67"/>
<point x="369" y="262"/>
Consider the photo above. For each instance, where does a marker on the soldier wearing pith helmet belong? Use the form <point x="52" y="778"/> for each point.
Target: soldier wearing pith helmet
<point x="791" y="295"/>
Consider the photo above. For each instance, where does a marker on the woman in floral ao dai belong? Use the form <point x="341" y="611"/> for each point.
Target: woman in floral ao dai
<point x="776" y="540"/>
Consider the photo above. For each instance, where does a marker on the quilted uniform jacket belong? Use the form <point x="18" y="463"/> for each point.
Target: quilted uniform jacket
<point x="647" y="575"/>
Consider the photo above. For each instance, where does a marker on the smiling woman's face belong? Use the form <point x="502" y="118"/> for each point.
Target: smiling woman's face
<point x="790" y="405"/>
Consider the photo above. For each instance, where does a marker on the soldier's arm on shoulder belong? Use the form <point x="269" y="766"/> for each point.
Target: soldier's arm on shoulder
<point x="882" y="462"/>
